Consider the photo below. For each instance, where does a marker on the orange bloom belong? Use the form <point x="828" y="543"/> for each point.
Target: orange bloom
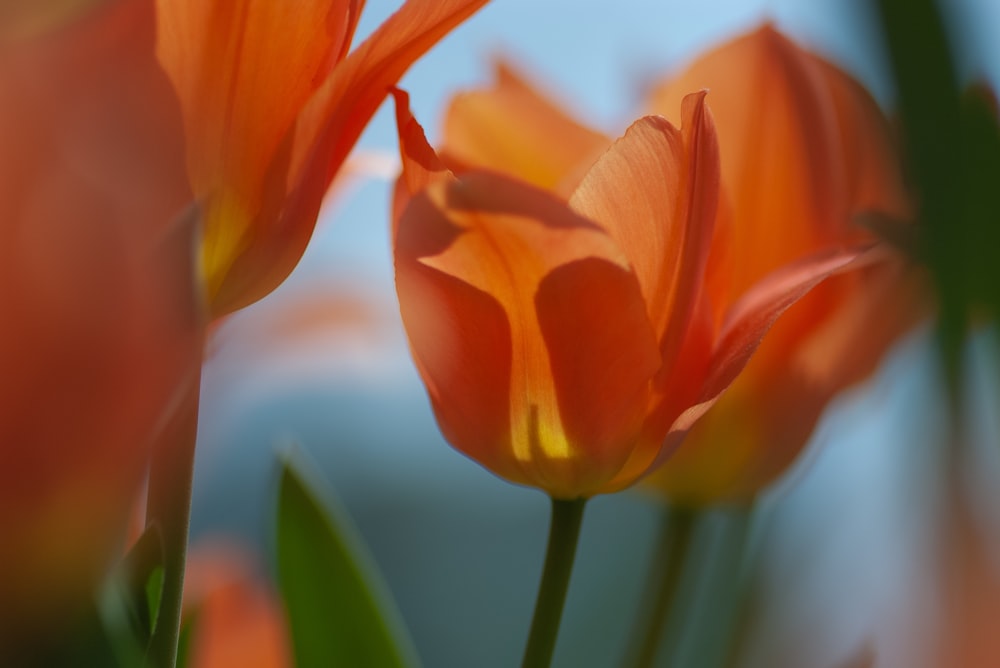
<point x="273" y="103"/>
<point x="101" y="326"/>
<point x="566" y="342"/>
<point x="238" y="620"/>
<point x="804" y="150"/>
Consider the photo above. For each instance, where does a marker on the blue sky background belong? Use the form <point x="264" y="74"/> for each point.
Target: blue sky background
<point x="462" y="550"/>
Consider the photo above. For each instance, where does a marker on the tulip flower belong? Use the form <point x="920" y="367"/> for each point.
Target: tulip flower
<point x="804" y="151"/>
<point x="568" y="342"/>
<point x="236" y="618"/>
<point x="101" y="321"/>
<point x="795" y="176"/>
<point x="273" y="101"/>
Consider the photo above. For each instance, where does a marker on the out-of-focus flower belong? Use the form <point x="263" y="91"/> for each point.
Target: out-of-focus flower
<point x="273" y="103"/>
<point x="804" y="150"/>
<point x="101" y="321"/>
<point x="514" y="130"/>
<point x="236" y="617"/>
<point x="567" y="343"/>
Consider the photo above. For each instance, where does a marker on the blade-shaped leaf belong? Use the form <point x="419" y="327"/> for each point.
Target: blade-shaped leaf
<point x="129" y="603"/>
<point x="139" y="583"/>
<point x="337" y="605"/>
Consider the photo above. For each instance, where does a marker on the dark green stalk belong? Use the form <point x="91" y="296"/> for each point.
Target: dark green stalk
<point x="563" y="535"/>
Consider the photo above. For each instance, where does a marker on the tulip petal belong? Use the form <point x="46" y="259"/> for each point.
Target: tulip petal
<point x="243" y="71"/>
<point x="236" y="618"/>
<point x="101" y="323"/>
<point x="335" y="117"/>
<point x="324" y="134"/>
<point x="753" y="315"/>
<point x="507" y="297"/>
<point x="783" y="158"/>
<point x="747" y="323"/>
<point x="603" y="356"/>
<point x="873" y="173"/>
<point x="656" y="192"/>
<point x="635" y="191"/>
<point x="744" y="442"/>
<point x="421" y="164"/>
<point x="514" y="129"/>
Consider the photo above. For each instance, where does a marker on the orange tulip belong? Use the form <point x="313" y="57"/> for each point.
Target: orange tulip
<point x="101" y="325"/>
<point x="567" y="343"/>
<point x="273" y="103"/>
<point x="237" y="619"/>
<point x="804" y="150"/>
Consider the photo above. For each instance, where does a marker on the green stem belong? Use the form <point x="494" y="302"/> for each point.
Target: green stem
<point x="563" y="534"/>
<point x="676" y="533"/>
<point x="169" y="509"/>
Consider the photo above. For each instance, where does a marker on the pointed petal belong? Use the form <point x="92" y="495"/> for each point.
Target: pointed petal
<point x="421" y="164"/>
<point x="335" y="117"/>
<point x="634" y="191"/>
<point x="515" y="129"/>
<point x="324" y="134"/>
<point x="784" y="158"/>
<point x="243" y="71"/>
<point x="754" y="314"/>
<point x="762" y="422"/>
<point x="656" y="192"/>
<point x="748" y="321"/>
<point x="508" y="297"/>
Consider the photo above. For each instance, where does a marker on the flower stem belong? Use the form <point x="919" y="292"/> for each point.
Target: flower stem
<point x="169" y="509"/>
<point x="563" y="534"/>
<point x="675" y="542"/>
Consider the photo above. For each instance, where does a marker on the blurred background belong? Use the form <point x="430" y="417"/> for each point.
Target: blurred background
<point x="847" y="546"/>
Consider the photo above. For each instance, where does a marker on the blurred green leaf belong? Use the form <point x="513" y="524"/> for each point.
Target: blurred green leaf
<point x="126" y="608"/>
<point x="141" y="582"/>
<point x="952" y="147"/>
<point x="154" y="592"/>
<point x="338" y="608"/>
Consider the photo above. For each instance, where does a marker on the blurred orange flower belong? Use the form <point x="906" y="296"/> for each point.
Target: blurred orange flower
<point x="236" y="617"/>
<point x="567" y="343"/>
<point x="273" y="102"/>
<point x="804" y="151"/>
<point x="101" y="324"/>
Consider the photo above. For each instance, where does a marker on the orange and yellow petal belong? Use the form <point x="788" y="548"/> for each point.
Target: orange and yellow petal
<point x="325" y="131"/>
<point x="510" y="301"/>
<point x="243" y="71"/>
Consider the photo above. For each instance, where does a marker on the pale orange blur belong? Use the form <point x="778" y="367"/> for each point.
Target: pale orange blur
<point x="236" y="616"/>
<point x="101" y="320"/>
<point x="805" y="151"/>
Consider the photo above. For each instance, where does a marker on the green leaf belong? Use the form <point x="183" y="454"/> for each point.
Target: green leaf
<point x="129" y="602"/>
<point x="141" y="575"/>
<point x="952" y="146"/>
<point x="154" y="592"/>
<point x="338" y="606"/>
